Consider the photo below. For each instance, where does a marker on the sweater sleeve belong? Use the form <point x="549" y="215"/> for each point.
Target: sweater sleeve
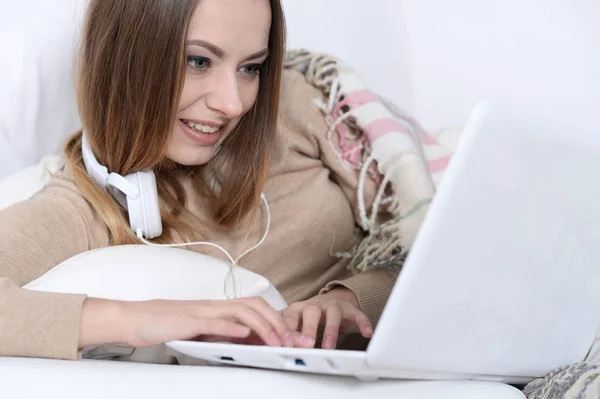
<point x="36" y="235"/>
<point x="372" y="287"/>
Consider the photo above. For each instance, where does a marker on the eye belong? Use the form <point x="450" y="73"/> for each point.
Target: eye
<point x="198" y="62"/>
<point x="253" y="69"/>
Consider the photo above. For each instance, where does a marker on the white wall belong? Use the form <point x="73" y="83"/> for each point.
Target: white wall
<point x="369" y="35"/>
<point x="541" y="55"/>
<point x="438" y="58"/>
<point x="37" y="99"/>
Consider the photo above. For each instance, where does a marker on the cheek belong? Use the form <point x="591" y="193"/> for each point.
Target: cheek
<point x="188" y="95"/>
<point x="248" y="95"/>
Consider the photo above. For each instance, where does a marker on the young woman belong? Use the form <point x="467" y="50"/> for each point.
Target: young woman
<point x="190" y="91"/>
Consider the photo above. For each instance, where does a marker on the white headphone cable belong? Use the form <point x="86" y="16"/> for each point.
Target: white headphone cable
<point x="236" y="290"/>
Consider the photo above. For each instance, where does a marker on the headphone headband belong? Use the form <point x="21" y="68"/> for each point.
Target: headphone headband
<point x="97" y="172"/>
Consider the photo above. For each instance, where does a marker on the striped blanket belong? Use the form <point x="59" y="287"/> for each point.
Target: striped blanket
<point x="376" y="138"/>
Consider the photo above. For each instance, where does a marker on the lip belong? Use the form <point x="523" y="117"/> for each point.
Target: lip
<point x="199" y="137"/>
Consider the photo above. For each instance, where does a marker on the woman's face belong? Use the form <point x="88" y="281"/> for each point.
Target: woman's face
<point x="227" y="44"/>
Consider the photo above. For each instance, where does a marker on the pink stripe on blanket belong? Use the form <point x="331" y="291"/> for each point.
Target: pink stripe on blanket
<point x="355" y="99"/>
<point x="427" y="139"/>
<point x="381" y="127"/>
<point x="360" y="97"/>
<point x="439" y="164"/>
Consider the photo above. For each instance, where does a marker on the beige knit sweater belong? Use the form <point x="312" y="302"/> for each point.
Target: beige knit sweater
<point x="313" y="202"/>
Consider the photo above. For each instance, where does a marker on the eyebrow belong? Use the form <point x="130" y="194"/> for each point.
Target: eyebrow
<point x="220" y="53"/>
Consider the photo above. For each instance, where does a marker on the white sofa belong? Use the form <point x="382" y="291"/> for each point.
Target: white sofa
<point x="35" y="378"/>
<point x="37" y="110"/>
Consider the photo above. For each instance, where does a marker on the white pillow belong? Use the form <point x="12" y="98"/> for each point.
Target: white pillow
<point x="22" y="185"/>
<point x="143" y="272"/>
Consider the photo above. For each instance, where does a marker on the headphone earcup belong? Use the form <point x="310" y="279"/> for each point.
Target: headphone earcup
<point x="144" y="210"/>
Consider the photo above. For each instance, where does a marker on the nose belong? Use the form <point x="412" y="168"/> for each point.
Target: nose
<point x="225" y="96"/>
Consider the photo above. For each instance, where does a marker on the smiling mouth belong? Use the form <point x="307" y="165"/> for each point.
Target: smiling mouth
<point x="202" y="128"/>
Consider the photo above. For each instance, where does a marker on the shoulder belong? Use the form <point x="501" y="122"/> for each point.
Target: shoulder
<point x="297" y="100"/>
<point x="62" y="188"/>
<point x="301" y="124"/>
<point x="60" y="201"/>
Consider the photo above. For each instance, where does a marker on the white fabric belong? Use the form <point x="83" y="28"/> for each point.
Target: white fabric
<point x="10" y="162"/>
<point x="100" y="380"/>
<point x="141" y="272"/>
<point x="449" y="137"/>
<point x="25" y="183"/>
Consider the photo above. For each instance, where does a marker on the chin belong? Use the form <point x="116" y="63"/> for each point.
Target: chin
<point x="192" y="156"/>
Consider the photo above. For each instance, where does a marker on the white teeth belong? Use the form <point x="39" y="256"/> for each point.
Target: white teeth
<point x="202" y="128"/>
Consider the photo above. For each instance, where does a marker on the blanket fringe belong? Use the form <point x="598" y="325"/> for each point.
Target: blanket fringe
<point x="386" y="245"/>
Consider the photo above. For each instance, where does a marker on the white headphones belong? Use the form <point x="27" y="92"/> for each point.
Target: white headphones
<point x="136" y="192"/>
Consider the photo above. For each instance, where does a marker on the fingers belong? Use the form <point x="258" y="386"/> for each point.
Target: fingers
<point x="311" y="317"/>
<point x="352" y="319"/>
<point x="291" y="316"/>
<point x="286" y="335"/>
<point x="257" y="314"/>
<point x="363" y="323"/>
<point x="270" y="314"/>
<point x="259" y="324"/>
<point x="337" y="315"/>
<point x="240" y="319"/>
<point x="333" y="319"/>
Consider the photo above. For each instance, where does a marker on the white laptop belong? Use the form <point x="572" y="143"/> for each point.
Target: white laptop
<point x="503" y="280"/>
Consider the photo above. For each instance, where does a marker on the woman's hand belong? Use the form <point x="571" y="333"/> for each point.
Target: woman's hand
<point x="338" y="310"/>
<point x="148" y="323"/>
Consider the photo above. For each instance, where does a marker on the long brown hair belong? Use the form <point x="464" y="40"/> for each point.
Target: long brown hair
<point x="131" y="69"/>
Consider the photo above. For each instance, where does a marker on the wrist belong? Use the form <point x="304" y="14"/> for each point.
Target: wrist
<point x="102" y="322"/>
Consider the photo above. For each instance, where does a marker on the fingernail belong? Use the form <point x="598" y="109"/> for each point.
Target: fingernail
<point x="275" y="341"/>
<point x="308" y="340"/>
<point x="329" y="343"/>
<point x="287" y="339"/>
